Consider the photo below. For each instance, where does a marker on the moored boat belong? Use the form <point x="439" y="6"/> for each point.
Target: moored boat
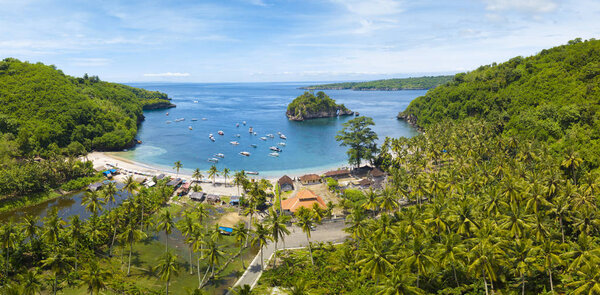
<point x="244" y="122"/>
<point x="282" y="136"/>
<point x="237" y="124"/>
<point x="237" y="135"/>
<point x="274" y="154"/>
<point x="281" y="143"/>
<point x="253" y="145"/>
<point x="250" y="130"/>
<point x="274" y="148"/>
<point x="263" y="138"/>
<point x="190" y="127"/>
<point x="247" y="154"/>
<point x="213" y="160"/>
<point x="219" y="155"/>
<point x="194" y="119"/>
<point x="270" y="135"/>
<point x="251" y="172"/>
<point x="234" y="142"/>
<point x="221" y="132"/>
<point x="180" y="119"/>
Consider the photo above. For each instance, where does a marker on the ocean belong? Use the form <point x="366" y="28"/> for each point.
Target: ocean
<point x="310" y="145"/>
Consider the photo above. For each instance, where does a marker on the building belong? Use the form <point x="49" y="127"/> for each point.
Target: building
<point x="365" y="183"/>
<point x="310" y="179"/>
<point x="376" y="173"/>
<point x="197" y="196"/>
<point x="286" y="183"/>
<point x="337" y="174"/>
<point x="213" y="198"/>
<point x="184" y="189"/>
<point x="304" y="198"/>
<point x="175" y="182"/>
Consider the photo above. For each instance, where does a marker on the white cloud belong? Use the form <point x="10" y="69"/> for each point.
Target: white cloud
<point x="258" y="2"/>
<point x="90" y="62"/>
<point x="528" y="6"/>
<point x="167" y="74"/>
<point x="372" y="7"/>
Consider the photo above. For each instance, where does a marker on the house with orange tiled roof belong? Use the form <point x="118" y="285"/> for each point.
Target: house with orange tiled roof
<point x="304" y="198"/>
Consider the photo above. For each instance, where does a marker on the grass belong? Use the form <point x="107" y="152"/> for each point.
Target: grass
<point x="13" y="203"/>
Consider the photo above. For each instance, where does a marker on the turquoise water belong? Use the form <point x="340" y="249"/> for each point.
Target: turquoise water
<point x="310" y="145"/>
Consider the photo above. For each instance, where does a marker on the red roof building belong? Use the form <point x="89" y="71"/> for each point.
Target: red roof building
<point x="304" y="198"/>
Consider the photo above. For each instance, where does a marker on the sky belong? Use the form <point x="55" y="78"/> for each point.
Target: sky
<point x="285" y="40"/>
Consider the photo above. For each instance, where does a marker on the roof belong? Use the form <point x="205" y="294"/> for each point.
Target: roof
<point x="196" y="196"/>
<point x="365" y="182"/>
<point x="285" y="180"/>
<point x="304" y="198"/>
<point x="339" y="172"/>
<point x="234" y="198"/>
<point x="212" y="197"/>
<point x="226" y="229"/>
<point x="174" y="182"/>
<point x="186" y="185"/>
<point x="139" y="179"/>
<point x="160" y="176"/>
<point x="309" y="177"/>
<point x="376" y="172"/>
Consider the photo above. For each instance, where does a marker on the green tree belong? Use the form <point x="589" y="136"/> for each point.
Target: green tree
<point x="167" y="268"/>
<point x="358" y="136"/>
<point x="177" y="166"/>
<point x="213" y="172"/>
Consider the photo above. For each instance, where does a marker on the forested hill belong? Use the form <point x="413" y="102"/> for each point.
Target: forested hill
<point x="41" y="107"/>
<point x="553" y="96"/>
<point x="388" y="84"/>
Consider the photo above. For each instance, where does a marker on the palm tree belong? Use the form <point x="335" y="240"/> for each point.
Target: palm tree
<point x="130" y="235"/>
<point x="241" y="290"/>
<point x="213" y="172"/>
<point x="260" y="238"/>
<point x="30" y="282"/>
<point x="165" y="222"/>
<point x="95" y="278"/>
<point x="59" y="263"/>
<point x="197" y="240"/>
<point x="549" y="252"/>
<point x="240" y="233"/>
<point x="388" y="199"/>
<point x="8" y="236"/>
<point x="177" y="166"/>
<point x="167" y="268"/>
<point x="522" y="258"/>
<point x="378" y="258"/>
<point x="371" y="202"/>
<point x="239" y="178"/>
<point x="197" y="175"/>
<point x="418" y="257"/>
<point x="276" y="224"/>
<point x="226" y="172"/>
<point x="399" y="283"/>
<point x="571" y="162"/>
<point x="130" y="185"/>
<point x="213" y="253"/>
<point x="305" y="221"/>
<point x="76" y="236"/>
<point x="92" y="202"/>
<point x="451" y="252"/>
<point x="186" y="227"/>
<point x="108" y="193"/>
<point x="588" y="281"/>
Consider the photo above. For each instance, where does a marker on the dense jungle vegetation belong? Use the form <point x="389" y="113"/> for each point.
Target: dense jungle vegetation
<point x="47" y="116"/>
<point x="309" y="105"/>
<point x="414" y="83"/>
<point x="553" y="96"/>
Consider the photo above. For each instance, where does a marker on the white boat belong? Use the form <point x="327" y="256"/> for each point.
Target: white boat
<point x="210" y="135"/>
<point x="244" y="122"/>
<point x="212" y="138"/>
<point x="254" y="133"/>
<point x="274" y="148"/>
<point x="190" y="127"/>
<point x="274" y="154"/>
<point x="194" y="119"/>
<point x="281" y="143"/>
<point x="251" y="172"/>
<point x="195" y="101"/>
<point x="237" y="124"/>
<point x="204" y="119"/>
<point x="167" y="113"/>
<point x="237" y="135"/>
<point x="282" y="136"/>
<point x="263" y="138"/>
<point x="247" y="154"/>
<point x="270" y="135"/>
<point x="213" y="160"/>
<point x="221" y="132"/>
<point x="278" y="133"/>
<point x="219" y="155"/>
<point x="250" y="130"/>
<point x="180" y="119"/>
<point x="234" y="142"/>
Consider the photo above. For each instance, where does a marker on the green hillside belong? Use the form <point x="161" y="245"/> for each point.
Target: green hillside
<point x="553" y="96"/>
<point x="413" y="83"/>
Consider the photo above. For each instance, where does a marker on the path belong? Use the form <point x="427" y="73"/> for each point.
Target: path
<point x="331" y="231"/>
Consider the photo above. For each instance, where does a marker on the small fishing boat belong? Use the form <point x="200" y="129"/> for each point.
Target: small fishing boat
<point x="244" y="122"/>
<point x="254" y="133"/>
<point x="234" y="142"/>
<point x="270" y="135"/>
<point x="237" y="135"/>
<point x="237" y="124"/>
<point x="212" y="138"/>
<point x="250" y="130"/>
<point x="180" y="119"/>
<point x="219" y="155"/>
<point x="221" y="132"/>
<point x="281" y="143"/>
<point x="263" y="138"/>
<point x="274" y="148"/>
<point x="167" y="113"/>
<point x="195" y="101"/>
<point x="204" y="119"/>
<point x="190" y="127"/>
<point x="253" y="145"/>
<point x="278" y="133"/>
<point x="247" y="154"/>
<point x="274" y="154"/>
<point x="356" y="114"/>
<point x="251" y="172"/>
<point x="213" y="160"/>
<point x="282" y="136"/>
<point x="194" y="119"/>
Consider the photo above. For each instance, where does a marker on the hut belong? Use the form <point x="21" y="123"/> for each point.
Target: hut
<point x="95" y="186"/>
<point x="304" y="198"/>
<point x="310" y="179"/>
<point x="337" y="174"/>
<point x="197" y="196"/>
<point x="286" y="183"/>
<point x="213" y="198"/>
<point x="184" y="189"/>
<point x="365" y="183"/>
<point x="377" y="174"/>
<point x="175" y="182"/>
<point x="160" y="176"/>
<point x="110" y="172"/>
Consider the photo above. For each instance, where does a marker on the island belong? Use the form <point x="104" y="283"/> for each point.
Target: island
<point x="308" y="106"/>
<point x="413" y="83"/>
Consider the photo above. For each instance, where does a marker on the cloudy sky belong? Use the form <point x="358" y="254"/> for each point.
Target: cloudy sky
<point x="285" y="40"/>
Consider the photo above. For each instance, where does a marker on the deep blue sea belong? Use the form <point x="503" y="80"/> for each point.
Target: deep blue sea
<point x="310" y="145"/>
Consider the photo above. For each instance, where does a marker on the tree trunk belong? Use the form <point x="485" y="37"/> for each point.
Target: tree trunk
<point x="142" y="217"/>
<point x="206" y="273"/>
<point x="275" y="255"/>
<point x="262" y="262"/>
<point x="168" y="287"/>
<point x="113" y="241"/>
<point x="54" y="287"/>
<point x="551" y="284"/>
<point x="522" y="284"/>
<point x="562" y="230"/>
<point x="166" y="242"/>
<point x="191" y="263"/>
<point x="310" y="251"/>
<point x="484" y="282"/>
<point x="6" y="264"/>
<point x="129" y="261"/>
<point x="199" y="281"/>
<point x="455" y="277"/>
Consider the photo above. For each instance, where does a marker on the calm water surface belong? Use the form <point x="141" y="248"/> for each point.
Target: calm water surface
<point x="310" y="145"/>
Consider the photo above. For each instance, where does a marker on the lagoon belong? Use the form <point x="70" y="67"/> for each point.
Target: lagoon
<point x="310" y="145"/>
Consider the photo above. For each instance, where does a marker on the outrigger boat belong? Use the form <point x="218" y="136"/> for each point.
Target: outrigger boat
<point x="237" y="124"/>
<point x="274" y="154"/>
<point x="270" y="135"/>
<point x="221" y="132"/>
<point x="263" y="138"/>
<point x="180" y="119"/>
<point x="251" y="172"/>
<point x="220" y="155"/>
<point x="250" y="130"/>
<point x="204" y="119"/>
<point x="234" y="142"/>
<point x="190" y="127"/>
<point x="244" y="122"/>
<point x="281" y="143"/>
<point x="194" y="119"/>
<point x="213" y="160"/>
<point x="282" y="136"/>
<point x="169" y="122"/>
<point x="274" y="148"/>
<point x="253" y="145"/>
<point x="247" y="154"/>
<point x="237" y="135"/>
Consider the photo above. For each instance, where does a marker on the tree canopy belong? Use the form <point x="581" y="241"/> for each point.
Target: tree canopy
<point x="358" y="136"/>
<point x="412" y="83"/>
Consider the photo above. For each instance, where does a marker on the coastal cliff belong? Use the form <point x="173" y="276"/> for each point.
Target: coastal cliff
<point x="308" y="106"/>
<point x="158" y="106"/>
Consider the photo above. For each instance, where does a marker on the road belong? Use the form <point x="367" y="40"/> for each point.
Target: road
<point x="331" y="231"/>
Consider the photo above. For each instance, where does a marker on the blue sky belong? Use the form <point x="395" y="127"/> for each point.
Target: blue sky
<point x="285" y="40"/>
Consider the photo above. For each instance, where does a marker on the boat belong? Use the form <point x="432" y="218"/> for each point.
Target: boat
<point x="274" y="148"/>
<point x="213" y="160"/>
<point x="244" y="122"/>
<point x="270" y="135"/>
<point x="190" y="127"/>
<point x="195" y="101"/>
<point x="194" y="119"/>
<point x="221" y="132"/>
<point x="250" y="130"/>
<point x="253" y="145"/>
<point x="167" y="113"/>
<point x="247" y="154"/>
<point x="219" y="155"/>
<point x="204" y="119"/>
<point x="169" y="122"/>
<point x="234" y="142"/>
<point x="274" y="154"/>
<point x="254" y="133"/>
<point x="263" y="138"/>
<point x="251" y="172"/>
<point x="237" y="135"/>
<point x="282" y="136"/>
<point x="278" y="133"/>
<point x="237" y="124"/>
<point x="180" y="119"/>
<point x="281" y="143"/>
<point x="212" y="138"/>
<point x="356" y="114"/>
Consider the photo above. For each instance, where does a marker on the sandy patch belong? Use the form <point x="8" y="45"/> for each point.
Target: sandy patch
<point x="230" y="219"/>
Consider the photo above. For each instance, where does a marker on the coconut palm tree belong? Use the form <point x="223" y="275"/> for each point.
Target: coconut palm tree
<point x="377" y="258"/>
<point x="276" y="224"/>
<point x="59" y="263"/>
<point x="108" y="193"/>
<point x="186" y="226"/>
<point x="571" y="162"/>
<point x="95" y="278"/>
<point x="305" y="221"/>
<point x="451" y="252"/>
<point x="260" y="237"/>
<point x="399" y="283"/>
<point x="177" y="166"/>
<point x="226" y="172"/>
<point x="241" y="290"/>
<point x="9" y="240"/>
<point x="388" y="199"/>
<point x="240" y="233"/>
<point x="213" y="254"/>
<point x="92" y="202"/>
<point x="130" y="185"/>
<point x="30" y="282"/>
<point x="166" y="223"/>
<point x="76" y="236"/>
<point x="418" y="257"/>
<point x="239" y="178"/>
<point x="167" y="268"/>
<point x="549" y="252"/>
<point x="197" y="175"/>
<point x="130" y="235"/>
<point x="213" y="172"/>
